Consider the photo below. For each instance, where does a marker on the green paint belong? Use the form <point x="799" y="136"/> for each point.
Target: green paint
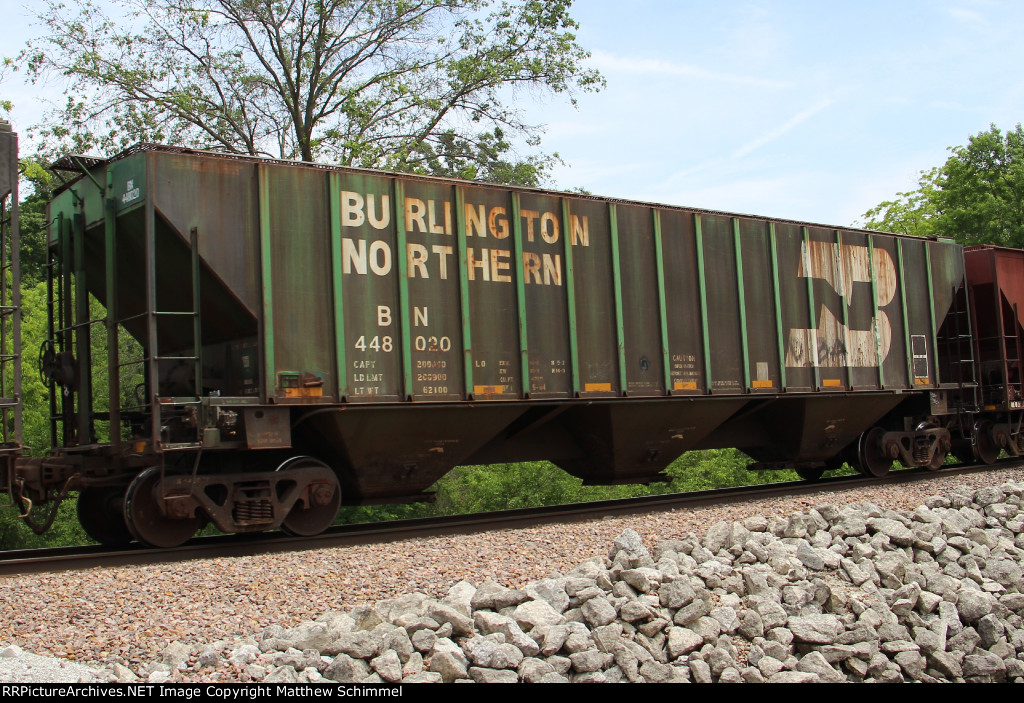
<point x="82" y="330"/>
<point x="197" y="322"/>
<point x="844" y="304"/>
<point x="462" y="244"/>
<point x="153" y="366"/>
<point x="742" y="299"/>
<point x="908" y="354"/>
<point x="266" y="265"/>
<point x="570" y="298"/>
<point x="620" y="334"/>
<point x="874" y="301"/>
<point x="517" y="248"/>
<point x="659" y="261"/>
<point x="813" y="324"/>
<point x="931" y="315"/>
<point x="113" y="360"/>
<point x="401" y="253"/>
<point x="777" y="304"/>
<point x="702" y="288"/>
<point x="341" y="363"/>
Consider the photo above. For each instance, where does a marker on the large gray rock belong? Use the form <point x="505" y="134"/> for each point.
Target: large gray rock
<point x="460" y="597"/>
<point x="538" y="613"/>
<point x="629" y="544"/>
<point x="490" y="654"/>
<point x="532" y="670"/>
<point x="597" y="612"/>
<point x="591" y="660"/>
<point x="345" y="669"/>
<point x="496" y="597"/>
<point x="816" y="629"/>
<point x="896" y="531"/>
<point x="388" y="666"/>
<point x="488" y="623"/>
<point x="643" y="579"/>
<point x="984" y="665"/>
<point x="481" y="675"/>
<point x="358" y="645"/>
<point x="551" y="591"/>
<point x="974" y="605"/>
<point x="815" y="663"/>
<point x="443" y="613"/>
<point x="448" y="666"/>
<point x="682" y="641"/>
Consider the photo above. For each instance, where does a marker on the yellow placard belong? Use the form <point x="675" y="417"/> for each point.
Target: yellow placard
<point x="922" y="382"/>
<point x="684" y="386"/>
<point x="597" y="387"/>
<point x="313" y="392"/>
<point x="488" y="390"/>
<point x="831" y="383"/>
<point x="763" y="384"/>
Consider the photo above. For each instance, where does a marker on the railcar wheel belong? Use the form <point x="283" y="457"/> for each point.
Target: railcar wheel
<point x="101" y="514"/>
<point x="872" y="460"/>
<point x="144" y="519"/>
<point x="808" y="474"/>
<point x="325" y="499"/>
<point x="985" y="448"/>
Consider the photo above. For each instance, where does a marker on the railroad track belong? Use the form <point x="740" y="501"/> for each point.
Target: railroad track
<point x="30" y="561"/>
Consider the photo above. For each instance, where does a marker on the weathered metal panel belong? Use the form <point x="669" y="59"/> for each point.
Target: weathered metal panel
<point x="547" y="315"/>
<point x="758" y="296"/>
<point x="683" y="302"/>
<point x="373" y="289"/>
<point x="723" y="304"/>
<point x="218" y="198"/>
<point x="799" y="358"/>
<point x="299" y="265"/>
<point x="588" y="232"/>
<point x="888" y="295"/>
<point x="638" y="270"/>
<point x="372" y="335"/>
<point x="434" y="326"/>
<point x="919" y="314"/>
<point x="493" y="311"/>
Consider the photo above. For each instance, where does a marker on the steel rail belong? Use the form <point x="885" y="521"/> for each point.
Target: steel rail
<point x="36" y="561"/>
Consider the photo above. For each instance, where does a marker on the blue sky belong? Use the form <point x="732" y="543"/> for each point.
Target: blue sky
<point x="807" y="110"/>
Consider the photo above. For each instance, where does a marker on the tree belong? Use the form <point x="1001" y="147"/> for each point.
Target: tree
<point x="912" y="212"/>
<point x="411" y="85"/>
<point x="976" y="197"/>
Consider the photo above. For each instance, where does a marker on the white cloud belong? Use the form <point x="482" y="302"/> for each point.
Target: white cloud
<point x="783" y="128"/>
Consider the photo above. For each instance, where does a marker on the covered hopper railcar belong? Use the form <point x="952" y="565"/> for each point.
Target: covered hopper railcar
<point x="253" y="342"/>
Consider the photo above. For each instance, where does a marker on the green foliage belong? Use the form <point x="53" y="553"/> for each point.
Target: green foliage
<point x="976" y="197"/>
<point x="472" y="489"/>
<point x="421" y="85"/>
<point x="6" y="65"/>
<point x="982" y="188"/>
<point x="32" y="221"/>
<point x="912" y="212"/>
<point x="35" y="395"/>
<point x="66" y="530"/>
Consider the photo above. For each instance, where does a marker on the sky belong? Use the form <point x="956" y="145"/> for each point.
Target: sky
<point x="807" y="110"/>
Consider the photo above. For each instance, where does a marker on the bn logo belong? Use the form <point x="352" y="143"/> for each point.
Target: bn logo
<point x="832" y="344"/>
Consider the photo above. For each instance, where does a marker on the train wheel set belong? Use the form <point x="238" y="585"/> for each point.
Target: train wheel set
<point x="275" y="339"/>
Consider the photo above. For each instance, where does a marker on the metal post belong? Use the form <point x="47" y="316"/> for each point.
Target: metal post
<point x="113" y="356"/>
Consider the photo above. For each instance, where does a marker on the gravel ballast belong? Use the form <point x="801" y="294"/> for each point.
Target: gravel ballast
<point x="924" y="576"/>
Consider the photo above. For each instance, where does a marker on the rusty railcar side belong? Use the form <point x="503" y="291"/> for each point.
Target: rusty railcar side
<point x="393" y="327"/>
